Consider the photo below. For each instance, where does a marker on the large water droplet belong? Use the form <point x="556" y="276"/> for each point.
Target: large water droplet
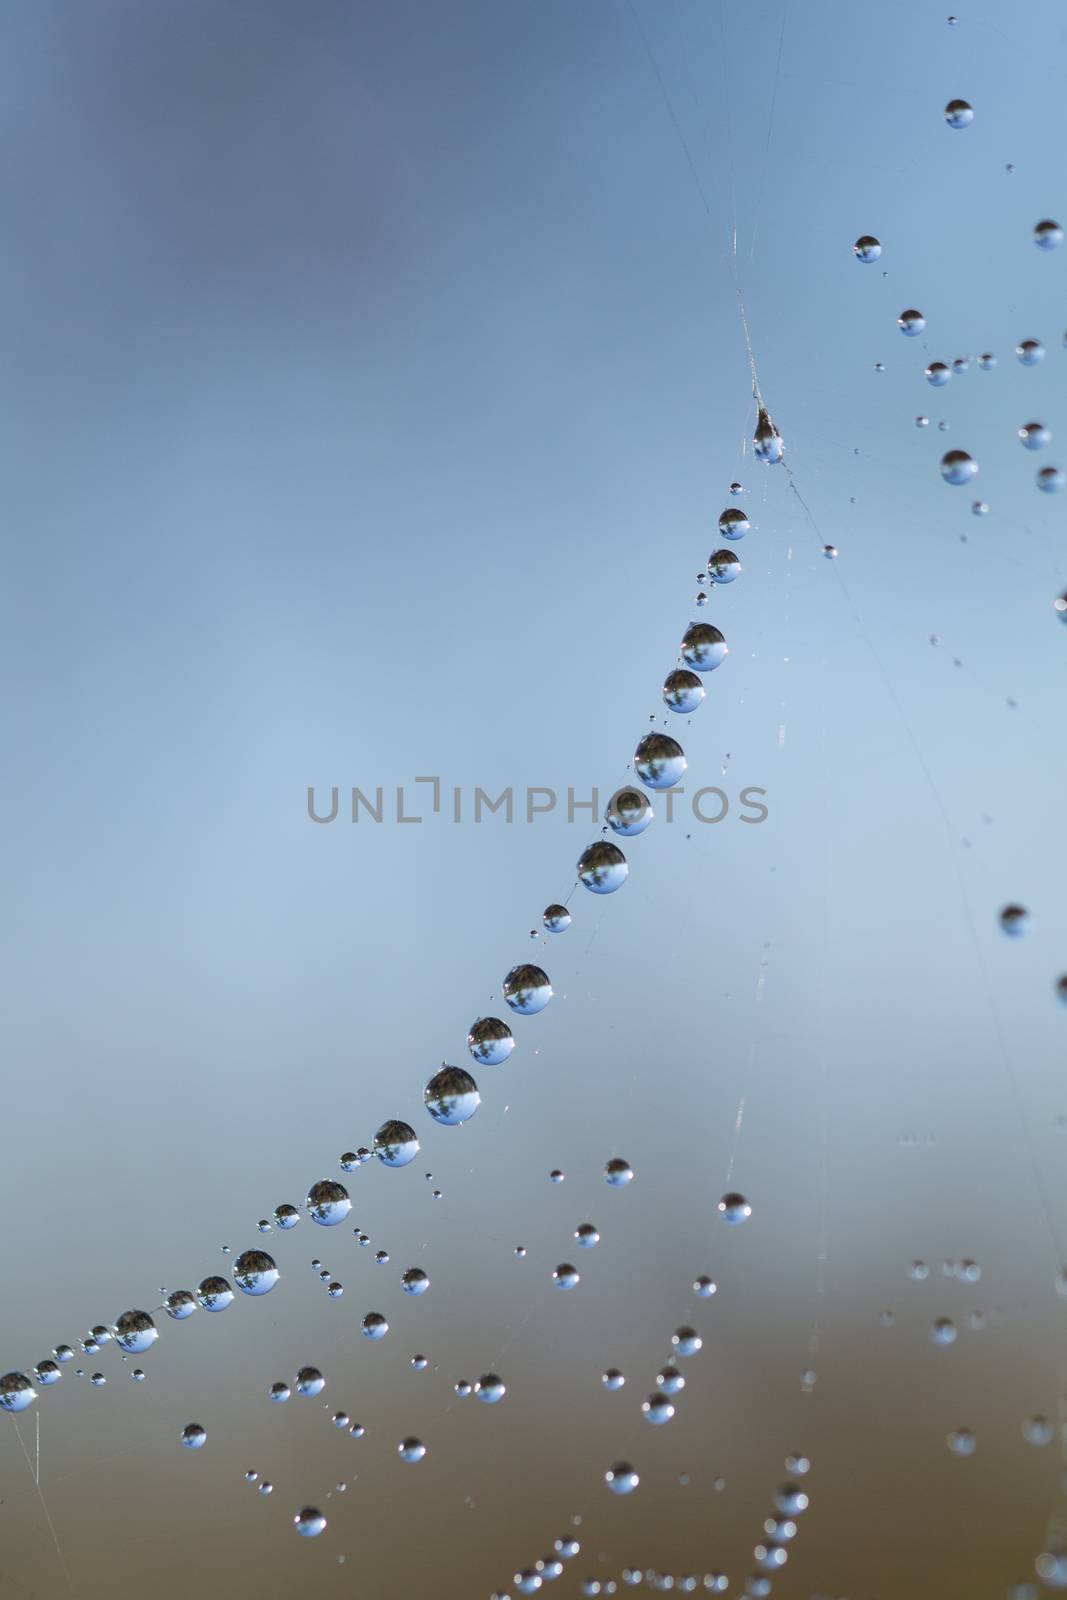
<point x="621" y="1478"/>
<point x="1048" y="235"/>
<point x="703" y="647"/>
<point x="1015" y="921"/>
<point x="411" y="1449"/>
<point x="527" y="989"/>
<point x="958" y="467"/>
<point x="286" y="1216"/>
<point x="490" y="1041"/>
<point x="395" y="1143"/>
<point x="556" y="918"/>
<point x="733" y="524"/>
<point x="1051" y="480"/>
<point x="327" y="1202"/>
<point x="135" y="1332"/>
<point x="194" y="1437"/>
<point x="682" y="690"/>
<point x="938" y="374"/>
<point x="866" y="248"/>
<point x="1030" y="352"/>
<point x="767" y="441"/>
<point x="180" y="1304"/>
<point x="734" y="1208"/>
<point x="602" y="867"/>
<point x="911" y="323"/>
<point x="214" y="1294"/>
<point x="659" y="761"/>
<point x="1034" y="435"/>
<point x="628" y="812"/>
<point x="724" y="566"/>
<point x="451" y="1096"/>
<point x="958" y="114"/>
<point x="255" y="1272"/>
<point x="309" y="1522"/>
<point x="16" y="1391"/>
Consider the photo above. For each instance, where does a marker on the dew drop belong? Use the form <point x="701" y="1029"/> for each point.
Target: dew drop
<point x="958" y="114"/>
<point x="527" y="989"/>
<point x="866" y="249"/>
<point x="451" y="1097"/>
<point x="734" y="1208"/>
<point x="602" y="867"/>
<point x="490" y="1041"/>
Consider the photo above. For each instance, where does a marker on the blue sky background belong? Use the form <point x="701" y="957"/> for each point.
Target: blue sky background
<point x="374" y="382"/>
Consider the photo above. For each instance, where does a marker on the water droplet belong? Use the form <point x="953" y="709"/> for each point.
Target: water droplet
<point x="911" y="323"/>
<point x="135" y="1332"/>
<point x="327" y="1202"/>
<point x="462" y="1388"/>
<point x="658" y="1408"/>
<point x="682" y="691"/>
<point x="670" y="1380"/>
<point x="527" y="989"/>
<point x="411" y="1449"/>
<point x="194" y="1437"/>
<point x="686" y="1341"/>
<point x="16" y="1391"/>
<point x="612" y="1379"/>
<point x="659" y="761"/>
<point x="602" y="867"/>
<point x="961" y="1442"/>
<point x="490" y="1388"/>
<point x="958" y="114"/>
<point x="979" y="508"/>
<point x="565" y="1276"/>
<point x="723" y="566"/>
<point x="1015" y="920"/>
<point x="830" y="552"/>
<point x="703" y="647"/>
<point x="1030" y="352"/>
<point x="1048" y="235"/>
<point x="254" y="1272"/>
<point x="98" y="1380"/>
<point x="767" y="443"/>
<point x="309" y="1522"/>
<point x="415" y="1281"/>
<point x="628" y="812"/>
<point x="937" y="374"/>
<point x="214" y="1294"/>
<point x="586" y="1235"/>
<point x="704" y="1287"/>
<point x="866" y="248"/>
<point x="451" y="1097"/>
<point x="280" y="1392"/>
<point x="286" y="1216"/>
<point x="490" y="1041"/>
<point x="1051" y="480"/>
<point x="958" y="467"/>
<point x="395" y="1143"/>
<point x="557" y="919"/>
<point x="1034" y="435"/>
<point x="47" y="1372"/>
<point x="943" y="1331"/>
<point x="922" y="422"/>
<point x="335" y="1290"/>
<point x="1038" y="1430"/>
<point x="734" y="1208"/>
<point x="341" y="1419"/>
<point x="374" y="1325"/>
<point x="618" y="1172"/>
<point x="621" y="1478"/>
<point x="987" y="361"/>
<point x="733" y="524"/>
<point x="961" y="365"/>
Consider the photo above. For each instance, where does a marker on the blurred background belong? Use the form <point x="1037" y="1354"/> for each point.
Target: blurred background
<point x="374" y="382"/>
